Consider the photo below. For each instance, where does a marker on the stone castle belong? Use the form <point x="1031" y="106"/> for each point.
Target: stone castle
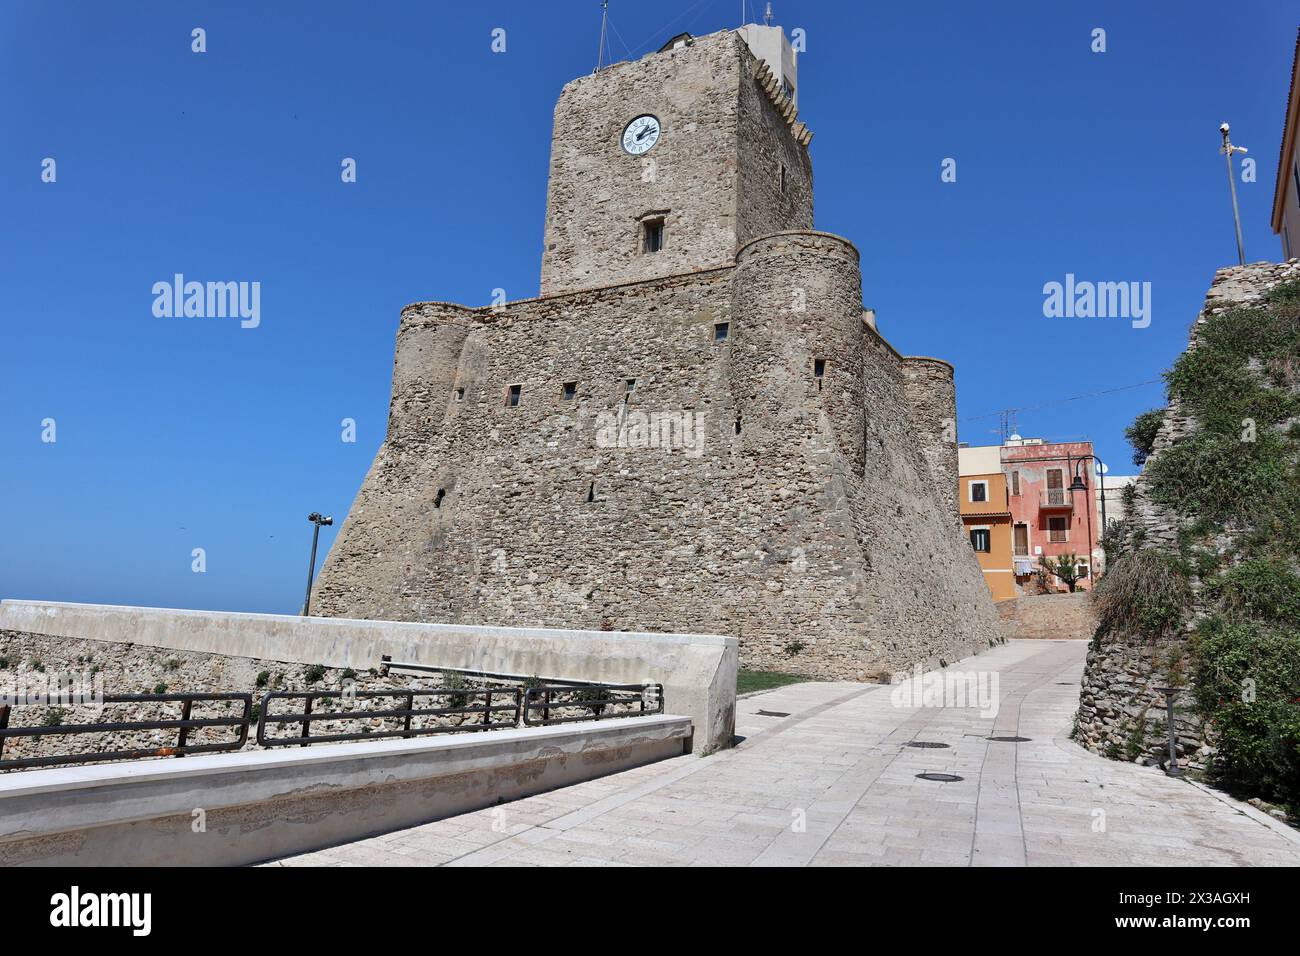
<point x="695" y="427"/>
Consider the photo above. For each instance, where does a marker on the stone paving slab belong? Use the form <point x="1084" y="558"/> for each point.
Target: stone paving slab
<point x="833" y="784"/>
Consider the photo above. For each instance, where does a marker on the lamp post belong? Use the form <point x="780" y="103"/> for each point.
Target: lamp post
<point x="317" y="519"/>
<point x="1227" y="149"/>
<point x="1077" y="484"/>
<point x="1171" y="693"/>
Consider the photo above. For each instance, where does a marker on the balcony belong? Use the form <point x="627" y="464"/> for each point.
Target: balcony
<point x="1056" y="499"/>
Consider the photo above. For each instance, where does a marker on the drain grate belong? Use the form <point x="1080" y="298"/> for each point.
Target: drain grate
<point x="1011" y="740"/>
<point x="926" y="744"/>
<point x="772" y="713"/>
<point x="941" y="777"/>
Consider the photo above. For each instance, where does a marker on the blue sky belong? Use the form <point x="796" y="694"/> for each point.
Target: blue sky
<point x="177" y="434"/>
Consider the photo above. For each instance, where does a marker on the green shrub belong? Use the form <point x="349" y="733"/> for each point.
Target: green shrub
<point x="1246" y="682"/>
<point x="160" y="688"/>
<point x="1142" y="433"/>
<point x="263" y="678"/>
<point x="313" y="673"/>
<point x="1264" y="589"/>
<point x="453" y="680"/>
<point x="1145" y="592"/>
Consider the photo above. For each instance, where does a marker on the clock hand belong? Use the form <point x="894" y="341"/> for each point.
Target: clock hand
<point x="641" y="135"/>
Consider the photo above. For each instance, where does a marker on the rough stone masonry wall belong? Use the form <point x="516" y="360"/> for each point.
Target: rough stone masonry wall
<point x="802" y="520"/>
<point x="1120" y="712"/>
<point x="714" y="174"/>
<point x="30" y="661"/>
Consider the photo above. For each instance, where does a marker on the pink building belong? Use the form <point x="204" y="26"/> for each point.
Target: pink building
<point x="1047" y="518"/>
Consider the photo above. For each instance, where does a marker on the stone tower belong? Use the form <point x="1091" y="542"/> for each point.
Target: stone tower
<point x="727" y="166"/>
<point x="692" y="428"/>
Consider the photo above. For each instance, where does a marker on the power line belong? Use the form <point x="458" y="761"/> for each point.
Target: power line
<point x="1059" y="401"/>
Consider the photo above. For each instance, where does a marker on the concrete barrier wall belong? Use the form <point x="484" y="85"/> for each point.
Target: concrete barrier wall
<point x="698" y="671"/>
<point x="234" y="809"/>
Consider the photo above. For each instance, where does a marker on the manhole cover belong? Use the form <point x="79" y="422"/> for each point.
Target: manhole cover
<point x="941" y="777"/>
<point x="1010" y="740"/>
<point x="772" y="713"/>
<point x="926" y="744"/>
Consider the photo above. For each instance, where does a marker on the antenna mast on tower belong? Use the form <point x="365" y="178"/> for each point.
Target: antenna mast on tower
<point x="604" y="19"/>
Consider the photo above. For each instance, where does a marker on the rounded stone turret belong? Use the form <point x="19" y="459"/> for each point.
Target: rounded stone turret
<point x="797" y="316"/>
<point x="932" y="395"/>
<point x="426" y="369"/>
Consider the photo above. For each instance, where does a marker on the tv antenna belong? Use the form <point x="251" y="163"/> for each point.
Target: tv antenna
<point x="604" y="22"/>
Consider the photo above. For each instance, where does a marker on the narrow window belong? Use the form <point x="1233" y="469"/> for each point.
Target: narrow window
<point x="819" y="371"/>
<point x="652" y="235"/>
<point x="437" y="502"/>
<point x="737" y="423"/>
<point x="1058" y="530"/>
<point x="570" y="391"/>
<point x="460" y="394"/>
<point x="591" y="492"/>
<point x="1015" y="482"/>
<point x="720" y="331"/>
<point x="631" y="384"/>
<point x="979" y="540"/>
<point x="1055" y="494"/>
<point x="512" y="398"/>
<point x="783" y="177"/>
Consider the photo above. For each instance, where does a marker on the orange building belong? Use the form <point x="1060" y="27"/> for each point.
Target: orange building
<point x="986" y="517"/>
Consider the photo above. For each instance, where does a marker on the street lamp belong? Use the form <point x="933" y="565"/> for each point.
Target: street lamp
<point x="1077" y="484"/>
<point x="317" y="519"/>
<point x="1227" y="149"/>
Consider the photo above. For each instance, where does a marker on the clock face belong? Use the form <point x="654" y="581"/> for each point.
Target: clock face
<point x="641" y="134"/>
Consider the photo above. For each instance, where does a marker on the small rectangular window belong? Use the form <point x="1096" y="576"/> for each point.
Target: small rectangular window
<point x="1058" y="530"/>
<point x="652" y="235"/>
<point x="460" y="394"/>
<point x="783" y="177"/>
<point x="631" y="384"/>
<point x="979" y="491"/>
<point x="979" y="540"/>
<point x="1015" y="482"/>
<point x="720" y="331"/>
<point x="819" y="372"/>
<point x="570" y="391"/>
<point x="512" y="397"/>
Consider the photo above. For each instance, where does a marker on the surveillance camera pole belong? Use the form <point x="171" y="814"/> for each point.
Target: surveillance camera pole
<point x="317" y="519"/>
<point x="1227" y="149"/>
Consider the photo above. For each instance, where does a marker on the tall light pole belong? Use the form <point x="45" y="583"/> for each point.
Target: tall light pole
<point x="1227" y="149"/>
<point x="317" y="519"/>
<point x="1078" y="484"/>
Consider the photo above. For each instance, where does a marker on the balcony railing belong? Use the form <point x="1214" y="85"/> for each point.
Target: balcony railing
<point x="1057" y="498"/>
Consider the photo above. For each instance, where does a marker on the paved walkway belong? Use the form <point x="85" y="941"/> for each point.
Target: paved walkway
<point x="833" y="783"/>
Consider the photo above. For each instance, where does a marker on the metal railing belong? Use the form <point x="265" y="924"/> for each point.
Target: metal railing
<point x="551" y="704"/>
<point x="485" y="707"/>
<point x="1056" y="498"/>
<point x="183" y="727"/>
<point x="418" y="713"/>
